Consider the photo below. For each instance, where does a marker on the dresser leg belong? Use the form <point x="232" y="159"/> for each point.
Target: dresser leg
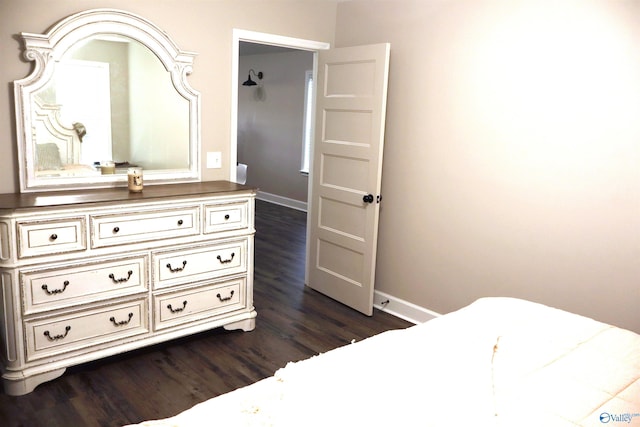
<point x="246" y="325"/>
<point x="17" y="385"/>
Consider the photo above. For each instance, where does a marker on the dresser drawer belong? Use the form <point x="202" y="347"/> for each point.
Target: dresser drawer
<point x="51" y="237"/>
<point x="226" y="217"/>
<point x="177" y="308"/>
<point x="83" y="329"/>
<point x="196" y="264"/>
<point x="109" y="230"/>
<point x="63" y="286"/>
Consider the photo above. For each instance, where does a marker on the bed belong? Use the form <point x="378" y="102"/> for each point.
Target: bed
<point x="57" y="147"/>
<point x="496" y="362"/>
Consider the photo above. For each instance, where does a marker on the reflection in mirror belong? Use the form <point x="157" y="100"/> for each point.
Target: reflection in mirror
<point x="113" y="87"/>
<point x="110" y="96"/>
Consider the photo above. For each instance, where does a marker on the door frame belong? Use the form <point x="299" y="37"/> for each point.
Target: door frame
<point x="313" y="46"/>
<point x="240" y="35"/>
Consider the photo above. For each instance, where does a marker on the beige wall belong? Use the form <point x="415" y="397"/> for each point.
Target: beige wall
<point x="271" y="122"/>
<point x="197" y="25"/>
<point x="512" y="151"/>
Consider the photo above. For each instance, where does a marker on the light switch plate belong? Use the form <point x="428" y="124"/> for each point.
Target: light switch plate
<point x="214" y="159"/>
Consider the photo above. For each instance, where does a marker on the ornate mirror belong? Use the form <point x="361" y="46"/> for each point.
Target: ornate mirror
<point x="108" y="91"/>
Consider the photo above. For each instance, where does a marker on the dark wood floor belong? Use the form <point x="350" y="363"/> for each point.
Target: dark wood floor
<point x="294" y="323"/>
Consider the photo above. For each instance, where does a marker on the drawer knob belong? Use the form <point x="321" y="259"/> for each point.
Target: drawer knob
<point x="177" y="269"/>
<point x="121" y="279"/>
<point x="55" y="291"/>
<point x="226" y="261"/>
<point x="116" y="229"/>
<point x="122" y="322"/>
<point x="57" y="337"/>
<point x="53" y="237"/>
<point x="225" y="298"/>
<point x="180" y="222"/>
<point x="179" y="309"/>
<point x="226" y="217"/>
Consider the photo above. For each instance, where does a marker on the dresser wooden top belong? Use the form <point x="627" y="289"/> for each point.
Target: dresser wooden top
<point x="102" y="195"/>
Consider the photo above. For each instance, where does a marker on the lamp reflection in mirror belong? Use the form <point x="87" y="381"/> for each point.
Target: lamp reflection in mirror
<point x="250" y="82"/>
<point x="80" y="129"/>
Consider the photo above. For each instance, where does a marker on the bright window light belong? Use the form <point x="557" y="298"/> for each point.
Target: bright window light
<point x="308" y="122"/>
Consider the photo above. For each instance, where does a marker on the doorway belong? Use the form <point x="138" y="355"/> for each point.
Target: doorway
<point x="264" y="39"/>
<point x="272" y="41"/>
<point x="344" y="186"/>
<point x="272" y="135"/>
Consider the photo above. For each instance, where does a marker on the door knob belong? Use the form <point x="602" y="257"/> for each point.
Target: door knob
<point x="368" y="198"/>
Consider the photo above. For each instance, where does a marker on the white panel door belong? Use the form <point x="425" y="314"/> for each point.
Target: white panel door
<point x="78" y="81"/>
<point x="346" y="173"/>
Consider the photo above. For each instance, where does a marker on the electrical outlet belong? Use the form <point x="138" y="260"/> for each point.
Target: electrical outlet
<point x="214" y="159"/>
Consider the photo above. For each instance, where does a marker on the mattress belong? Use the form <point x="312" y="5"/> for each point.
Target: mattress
<point x="496" y="362"/>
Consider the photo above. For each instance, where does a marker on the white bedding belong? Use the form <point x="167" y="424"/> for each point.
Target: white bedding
<point x="68" y="171"/>
<point x="497" y="362"/>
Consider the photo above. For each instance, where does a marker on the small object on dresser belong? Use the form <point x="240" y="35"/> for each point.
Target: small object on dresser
<point x="108" y="167"/>
<point x="134" y="180"/>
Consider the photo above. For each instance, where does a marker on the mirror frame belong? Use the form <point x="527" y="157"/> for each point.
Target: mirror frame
<point x="45" y="49"/>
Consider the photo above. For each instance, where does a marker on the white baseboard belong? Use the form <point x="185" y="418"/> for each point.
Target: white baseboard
<point x="282" y="201"/>
<point x="402" y="309"/>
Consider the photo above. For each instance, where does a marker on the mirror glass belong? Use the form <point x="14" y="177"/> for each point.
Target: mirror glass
<point x="119" y="96"/>
<point x="106" y="100"/>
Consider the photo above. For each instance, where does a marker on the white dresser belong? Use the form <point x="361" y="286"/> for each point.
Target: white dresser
<point x="92" y="273"/>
